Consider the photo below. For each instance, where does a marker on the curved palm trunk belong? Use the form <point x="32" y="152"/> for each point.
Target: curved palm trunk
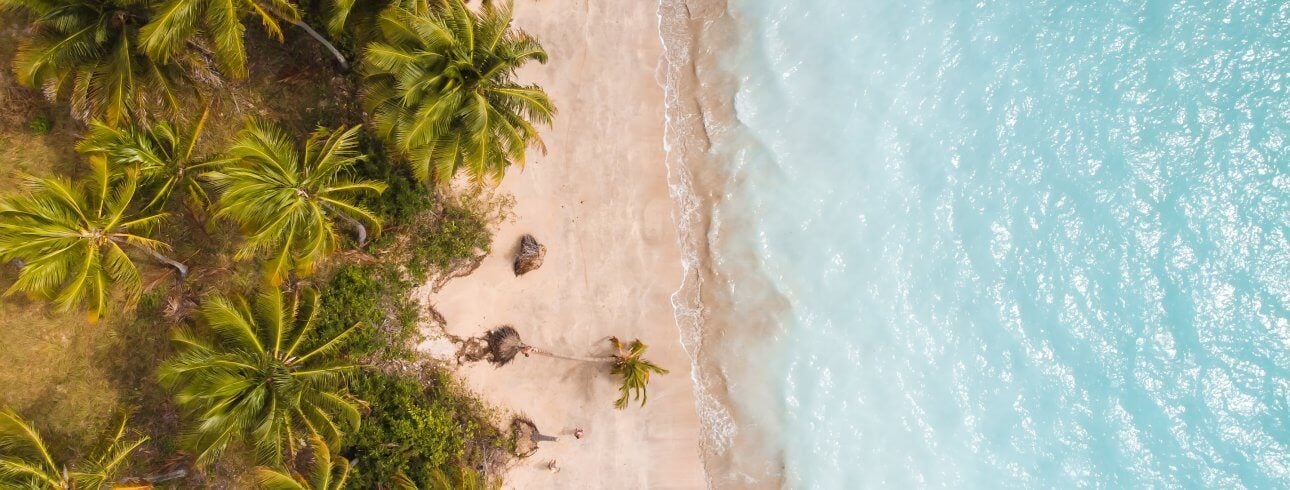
<point x="359" y="229"/>
<point x="340" y="58"/>
<point x="183" y="269"/>
<point x="314" y="34"/>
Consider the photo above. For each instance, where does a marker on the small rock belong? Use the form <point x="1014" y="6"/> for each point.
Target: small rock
<point x="530" y="256"/>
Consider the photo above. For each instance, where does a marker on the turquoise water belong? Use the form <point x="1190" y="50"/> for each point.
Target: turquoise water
<point x="1025" y="243"/>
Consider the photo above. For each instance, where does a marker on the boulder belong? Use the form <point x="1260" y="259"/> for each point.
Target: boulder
<point x="530" y="256"/>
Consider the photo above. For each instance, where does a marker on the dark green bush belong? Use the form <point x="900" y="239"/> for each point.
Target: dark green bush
<point x="375" y="296"/>
<point x="414" y="429"/>
<point x="41" y="124"/>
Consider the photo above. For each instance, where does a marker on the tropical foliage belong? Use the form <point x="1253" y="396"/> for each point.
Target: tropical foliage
<point x="441" y="85"/>
<point x="162" y="154"/>
<point x="320" y="470"/>
<point x="27" y="462"/>
<point x="287" y="200"/>
<point x="174" y="23"/>
<point x="71" y="239"/>
<point x="261" y="376"/>
<point x="631" y="365"/>
<point x="269" y="374"/>
<point x="433" y="419"/>
<point x="86" y="50"/>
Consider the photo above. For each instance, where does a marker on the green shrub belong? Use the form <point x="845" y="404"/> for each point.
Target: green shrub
<point x="404" y="199"/>
<point x="456" y="236"/>
<point x="41" y="124"/>
<point x="414" y="429"/>
<point x="377" y="297"/>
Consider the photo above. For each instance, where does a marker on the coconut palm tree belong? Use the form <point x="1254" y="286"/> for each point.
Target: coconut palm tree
<point x="71" y="240"/>
<point x="175" y="22"/>
<point x="631" y="365"/>
<point x="263" y="376"/>
<point x="627" y="362"/>
<point x="26" y="462"/>
<point x="319" y="470"/>
<point x="287" y="201"/>
<point x="86" y="49"/>
<point x="162" y="153"/>
<point x="441" y="86"/>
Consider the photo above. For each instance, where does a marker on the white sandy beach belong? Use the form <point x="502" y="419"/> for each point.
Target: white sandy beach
<point x="599" y="201"/>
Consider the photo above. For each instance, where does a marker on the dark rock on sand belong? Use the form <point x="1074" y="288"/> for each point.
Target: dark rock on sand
<point x="530" y="256"/>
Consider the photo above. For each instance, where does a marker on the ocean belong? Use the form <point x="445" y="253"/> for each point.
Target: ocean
<point x="986" y="244"/>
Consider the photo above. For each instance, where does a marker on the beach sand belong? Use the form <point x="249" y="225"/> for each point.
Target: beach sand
<point x="600" y="203"/>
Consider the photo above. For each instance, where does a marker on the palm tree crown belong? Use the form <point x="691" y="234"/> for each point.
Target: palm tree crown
<point x="320" y="470"/>
<point x="26" y="462"/>
<point x="441" y="88"/>
<point x="70" y="239"/>
<point x="286" y="200"/>
<point x="630" y="364"/>
<point x="175" y="22"/>
<point x="87" y="50"/>
<point x="262" y="376"/>
<point x="162" y="153"/>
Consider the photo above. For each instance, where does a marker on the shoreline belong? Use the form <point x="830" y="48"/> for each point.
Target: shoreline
<point x="600" y="202"/>
<point x="724" y="280"/>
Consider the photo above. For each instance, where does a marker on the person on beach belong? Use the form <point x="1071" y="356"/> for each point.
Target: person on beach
<point x="577" y="433"/>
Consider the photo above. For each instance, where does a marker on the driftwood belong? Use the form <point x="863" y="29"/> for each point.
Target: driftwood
<point x="530" y="256"/>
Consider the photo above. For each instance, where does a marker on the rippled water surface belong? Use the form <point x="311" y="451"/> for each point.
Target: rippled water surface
<point x="1026" y="243"/>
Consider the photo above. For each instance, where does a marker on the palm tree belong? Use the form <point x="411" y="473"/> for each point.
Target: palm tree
<point x="26" y="462"/>
<point x="86" y="49"/>
<point x="162" y="153"/>
<point x="70" y="240"/>
<point x="634" y="369"/>
<point x="628" y="363"/>
<point x="175" y="22"/>
<point x="263" y="376"/>
<point x="321" y="470"/>
<point x="287" y="200"/>
<point x="442" y="90"/>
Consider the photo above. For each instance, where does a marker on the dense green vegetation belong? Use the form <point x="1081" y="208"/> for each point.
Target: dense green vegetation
<point x="421" y="427"/>
<point x="291" y="335"/>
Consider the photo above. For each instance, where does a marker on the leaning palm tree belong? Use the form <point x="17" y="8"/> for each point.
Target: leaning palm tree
<point x="441" y="86"/>
<point x="71" y="240"/>
<point x="628" y="363"/>
<point x="162" y="153"/>
<point x="26" y="462"/>
<point x="319" y="470"/>
<point x="174" y="23"/>
<point x="287" y="201"/>
<point x="86" y="49"/>
<point x="263" y="376"/>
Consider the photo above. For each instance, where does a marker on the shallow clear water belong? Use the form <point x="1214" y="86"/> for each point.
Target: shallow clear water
<point x="1025" y="243"/>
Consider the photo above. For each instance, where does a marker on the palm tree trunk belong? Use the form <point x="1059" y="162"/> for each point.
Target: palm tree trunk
<point x="183" y="269"/>
<point x="164" y="477"/>
<point x="359" y="229"/>
<point x="540" y="352"/>
<point x="344" y="65"/>
<point x="340" y="58"/>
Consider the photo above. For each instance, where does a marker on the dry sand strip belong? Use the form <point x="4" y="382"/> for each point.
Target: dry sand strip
<point x="599" y="202"/>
